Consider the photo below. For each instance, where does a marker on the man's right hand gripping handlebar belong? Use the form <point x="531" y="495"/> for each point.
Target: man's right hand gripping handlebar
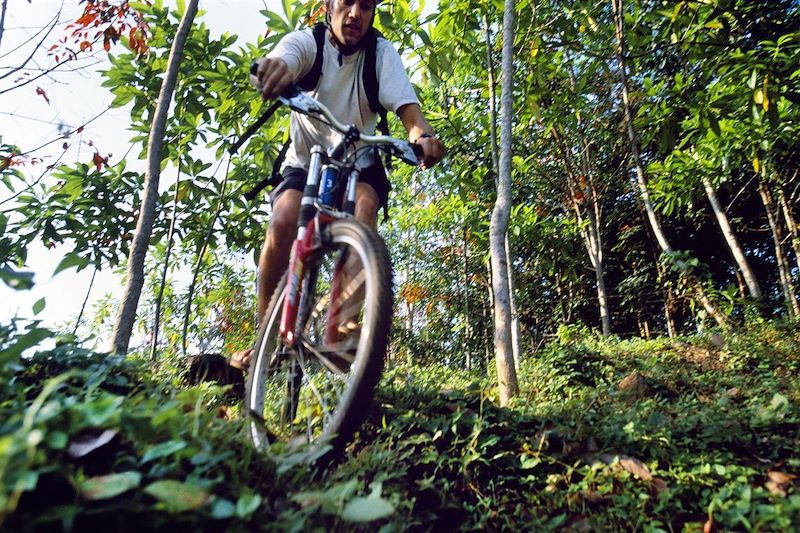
<point x="271" y="76"/>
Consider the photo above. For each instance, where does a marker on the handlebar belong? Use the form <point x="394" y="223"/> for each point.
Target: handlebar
<point x="297" y="100"/>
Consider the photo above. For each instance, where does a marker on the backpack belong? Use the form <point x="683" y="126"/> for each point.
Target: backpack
<point x="310" y="81"/>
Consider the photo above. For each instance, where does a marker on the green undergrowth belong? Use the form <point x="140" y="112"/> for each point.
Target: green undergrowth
<point x="672" y="435"/>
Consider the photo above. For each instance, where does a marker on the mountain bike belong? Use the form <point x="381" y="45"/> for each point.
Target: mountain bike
<point x="321" y="344"/>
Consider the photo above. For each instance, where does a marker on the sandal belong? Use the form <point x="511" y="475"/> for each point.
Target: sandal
<point x="241" y="359"/>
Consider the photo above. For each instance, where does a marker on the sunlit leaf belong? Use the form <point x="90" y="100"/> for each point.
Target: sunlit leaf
<point x="177" y="496"/>
<point x="109" y="486"/>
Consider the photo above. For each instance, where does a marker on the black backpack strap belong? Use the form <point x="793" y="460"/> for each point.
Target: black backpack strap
<point x="371" y="85"/>
<point x="311" y="79"/>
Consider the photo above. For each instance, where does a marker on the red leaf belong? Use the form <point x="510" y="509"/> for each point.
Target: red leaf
<point x="106" y="44"/>
<point x="43" y="94"/>
<point x="86" y="45"/>
<point x="79" y="130"/>
<point x="99" y="161"/>
<point x="65" y="146"/>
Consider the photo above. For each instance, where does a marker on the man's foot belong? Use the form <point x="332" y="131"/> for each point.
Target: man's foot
<point x="241" y="359"/>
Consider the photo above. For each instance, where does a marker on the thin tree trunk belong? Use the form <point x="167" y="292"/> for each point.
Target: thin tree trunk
<point x="733" y="243"/>
<point x="409" y="327"/>
<point x="512" y="301"/>
<point x="162" y="285"/>
<point x="594" y="214"/>
<point x="3" y="20"/>
<point x="641" y="177"/>
<point x="504" y="356"/>
<point x="791" y="224"/>
<point x="792" y="307"/>
<point x="589" y="232"/>
<point x="465" y="331"/>
<point x="669" y="313"/>
<point x="85" y="300"/>
<point x="126" y="315"/>
<point x="515" y="340"/>
<point x="492" y="99"/>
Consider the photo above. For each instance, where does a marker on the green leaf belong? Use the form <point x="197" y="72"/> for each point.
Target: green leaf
<point x="176" y="496"/>
<point x="16" y="280"/>
<point x="247" y="505"/>
<point x="38" y="307"/>
<point x="373" y="507"/>
<point x="104" y="487"/>
<point x="162" y="450"/>
<point x="72" y="260"/>
<point x="141" y="7"/>
<point x="222" y="508"/>
<point x="23" y="342"/>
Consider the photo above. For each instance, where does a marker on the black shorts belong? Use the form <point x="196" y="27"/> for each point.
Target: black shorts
<point x="374" y="176"/>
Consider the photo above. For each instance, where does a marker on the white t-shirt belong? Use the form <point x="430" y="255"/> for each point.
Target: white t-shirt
<point x="341" y="89"/>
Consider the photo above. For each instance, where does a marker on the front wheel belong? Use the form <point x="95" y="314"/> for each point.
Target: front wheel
<point x="314" y="395"/>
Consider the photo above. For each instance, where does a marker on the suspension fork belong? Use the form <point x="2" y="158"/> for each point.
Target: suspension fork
<point x="340" y="274"/>
<point x="301" y="247"/>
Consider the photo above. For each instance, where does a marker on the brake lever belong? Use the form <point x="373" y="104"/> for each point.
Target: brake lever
<point x="407" y="152"/>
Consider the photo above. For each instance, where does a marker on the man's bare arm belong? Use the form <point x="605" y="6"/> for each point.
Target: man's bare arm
<point x="421" y="132"/>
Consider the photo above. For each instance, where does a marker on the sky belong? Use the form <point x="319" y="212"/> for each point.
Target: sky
<point x="29" y="120"/>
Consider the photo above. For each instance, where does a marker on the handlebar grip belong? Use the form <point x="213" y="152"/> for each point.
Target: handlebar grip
<point x="418" y="151"/>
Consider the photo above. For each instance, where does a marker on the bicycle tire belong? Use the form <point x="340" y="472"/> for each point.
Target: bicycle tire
<point x="350" y="385"/>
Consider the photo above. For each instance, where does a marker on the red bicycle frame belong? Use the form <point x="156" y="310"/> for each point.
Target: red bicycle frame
<point x="308" y="240"/>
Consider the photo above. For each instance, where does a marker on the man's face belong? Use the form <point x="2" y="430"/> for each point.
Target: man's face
<point x="350" y="20"/>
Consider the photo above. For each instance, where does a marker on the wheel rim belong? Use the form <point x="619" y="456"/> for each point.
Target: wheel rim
<point x="301" y="395"/>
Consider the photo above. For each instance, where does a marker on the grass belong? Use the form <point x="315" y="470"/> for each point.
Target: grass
<point x="661" y="435"/>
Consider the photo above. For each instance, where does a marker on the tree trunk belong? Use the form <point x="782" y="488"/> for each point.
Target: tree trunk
<point x="466" y="341"/>
<point x="791" y="224"/>
<point x="126" y="315"/>
<point x="792" y="307"/>
<point x="504" y="356"/>
<point x="692" y="281"/>
<point x="594" y="214"/>
<point x="165" y="269"/>
<point x="733" y="243"/>
<point x="589" y="232"/>
<point x="515" y="341"/>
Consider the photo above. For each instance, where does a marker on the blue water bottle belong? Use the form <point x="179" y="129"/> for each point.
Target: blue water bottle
<point x="326" y="184"/>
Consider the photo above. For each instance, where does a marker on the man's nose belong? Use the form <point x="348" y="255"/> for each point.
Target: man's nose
<point x="355" y="10"/>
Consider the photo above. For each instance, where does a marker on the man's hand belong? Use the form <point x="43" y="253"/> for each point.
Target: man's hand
<point x="432" y="151"/>
<point x="272" y="77"/>
<point x="419" y="132"/>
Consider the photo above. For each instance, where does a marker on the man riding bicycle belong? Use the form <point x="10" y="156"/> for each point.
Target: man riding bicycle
<point x="341" y="89"/>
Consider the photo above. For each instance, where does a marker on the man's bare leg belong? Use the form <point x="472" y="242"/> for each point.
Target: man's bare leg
<point x="274" y="258"/>
<point x="367" y="204"/>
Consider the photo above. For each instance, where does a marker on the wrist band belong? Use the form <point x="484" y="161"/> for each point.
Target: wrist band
<point x="425" y="136"/>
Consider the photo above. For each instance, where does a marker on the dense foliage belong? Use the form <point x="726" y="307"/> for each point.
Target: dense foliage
<point x="656" y="435"/>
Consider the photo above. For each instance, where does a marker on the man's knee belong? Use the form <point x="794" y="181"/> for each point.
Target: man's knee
<point x="285" y="211"/>
<point x="367" y="204"/>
